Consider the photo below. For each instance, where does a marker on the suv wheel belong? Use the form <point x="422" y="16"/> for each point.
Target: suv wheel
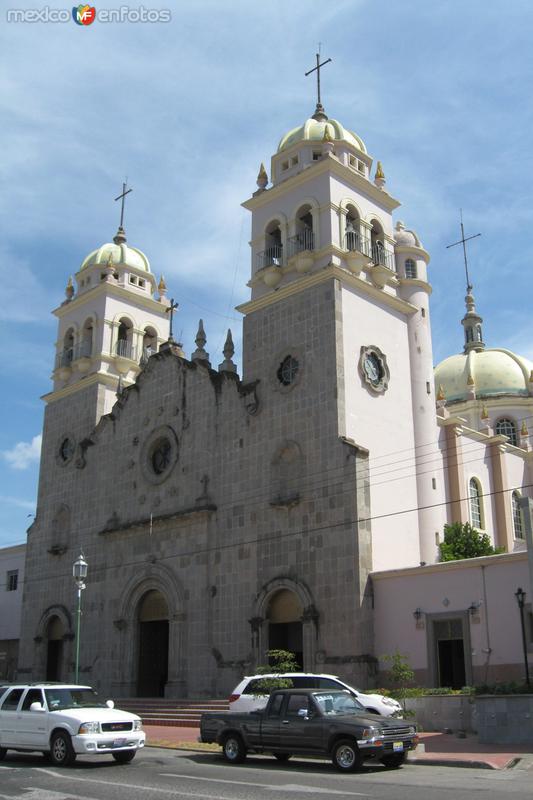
<point x="61" y="750"/>
<point x="233" y="748"/>
<point x="346" y="756"/>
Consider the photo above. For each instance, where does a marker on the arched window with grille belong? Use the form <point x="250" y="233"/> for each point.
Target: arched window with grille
<point x="476" y="504"/>
<point x="518" y="522"/>
<point x="507" y="427"/>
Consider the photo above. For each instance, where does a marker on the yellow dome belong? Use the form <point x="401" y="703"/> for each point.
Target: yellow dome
<point x="490" y="372"/>
<point x="313" y="130"/>
<point x="120" y="253"/>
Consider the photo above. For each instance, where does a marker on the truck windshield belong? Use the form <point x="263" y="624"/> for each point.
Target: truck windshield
<point x="59" y="699"/>
<point x="338" y="703"/>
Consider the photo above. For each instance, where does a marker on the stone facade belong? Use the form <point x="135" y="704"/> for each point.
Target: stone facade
<point x="259" y="496"/>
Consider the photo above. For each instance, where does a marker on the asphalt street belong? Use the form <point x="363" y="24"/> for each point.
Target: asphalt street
<point x="158" y="774"/>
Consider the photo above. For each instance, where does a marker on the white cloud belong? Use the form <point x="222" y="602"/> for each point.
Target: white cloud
<point x="23" y="454"/>
<point x="26" y="505"/>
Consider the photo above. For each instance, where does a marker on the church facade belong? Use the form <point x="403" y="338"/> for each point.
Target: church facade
<point x="223" y="515"/>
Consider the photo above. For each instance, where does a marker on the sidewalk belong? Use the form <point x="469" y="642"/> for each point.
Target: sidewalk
<point x="435" y="749"/>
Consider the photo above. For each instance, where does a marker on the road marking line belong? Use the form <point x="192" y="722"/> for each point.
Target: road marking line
<point x="131" y="786"/>
<point x="286" y="787"/>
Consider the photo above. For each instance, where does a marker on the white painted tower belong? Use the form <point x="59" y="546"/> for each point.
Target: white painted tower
<point x="324" y="217"/>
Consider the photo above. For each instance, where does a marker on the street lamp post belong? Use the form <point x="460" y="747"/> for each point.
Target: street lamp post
<point x="520" y="599"/>
<point x="79" y="573"/>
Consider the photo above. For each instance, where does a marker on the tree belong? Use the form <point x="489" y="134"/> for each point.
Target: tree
<point x="400" y="672"/>
<point x="463" y="541"/>
<point x="280" y="661"/>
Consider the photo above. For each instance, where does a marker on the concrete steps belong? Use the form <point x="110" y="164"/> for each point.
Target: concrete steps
<point x="176" y="713"/>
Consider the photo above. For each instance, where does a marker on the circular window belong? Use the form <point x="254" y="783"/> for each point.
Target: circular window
<point x="373" y="369"/>
<point x="66" y="450"/>
<point x="159" y="454"/>
<point x="288" y="370"/>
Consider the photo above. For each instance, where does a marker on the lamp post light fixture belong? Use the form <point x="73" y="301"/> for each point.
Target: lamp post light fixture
<point x="520" y="599"/>
<point x="79" y="573"/>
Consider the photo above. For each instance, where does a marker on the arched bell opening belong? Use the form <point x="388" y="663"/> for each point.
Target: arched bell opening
<point x="304" y="238"/>
<point x="124" y="345"/>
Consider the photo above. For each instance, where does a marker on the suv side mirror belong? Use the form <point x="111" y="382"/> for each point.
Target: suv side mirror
<point x="110" y="704"/>
<point x="36" y="707"/>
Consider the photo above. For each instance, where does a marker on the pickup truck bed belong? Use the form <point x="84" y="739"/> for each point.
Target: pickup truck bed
<point x="310" y="722"/>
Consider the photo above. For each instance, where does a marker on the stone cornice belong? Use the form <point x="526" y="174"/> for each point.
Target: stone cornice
<point x="323" y="276"/>
<point x="72" y="388"/>
<point x="114" y="290"/>
<point x="201" y="510"/>
<point x="353" y="179"/>
<point x="416" y="282"/>
<point x="450" y="566"/>
<point x="419" y="252"/>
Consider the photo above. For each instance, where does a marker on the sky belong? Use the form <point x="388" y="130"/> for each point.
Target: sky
<point x="440" y="92"/>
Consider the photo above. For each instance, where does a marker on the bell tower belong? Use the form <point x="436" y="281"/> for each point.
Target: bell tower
<point x="326" y="220"/>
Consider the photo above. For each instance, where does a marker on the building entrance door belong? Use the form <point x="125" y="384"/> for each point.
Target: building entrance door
<point x="153" y="646"/>
<point x="54" y="651"/>
<point x="449" y="640"/>
<point x="285" y="624"/>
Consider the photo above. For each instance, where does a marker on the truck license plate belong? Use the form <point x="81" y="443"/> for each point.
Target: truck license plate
<point x="397" y="746"/>
<point x="119" y="742"/>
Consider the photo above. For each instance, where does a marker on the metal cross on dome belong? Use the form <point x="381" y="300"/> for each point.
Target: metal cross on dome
<point x="121" y="197"/>
<point x="317" y="70"/>
<point x="463" y="241"/>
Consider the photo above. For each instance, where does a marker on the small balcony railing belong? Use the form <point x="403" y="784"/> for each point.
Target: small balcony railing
<point x="125" y="349"/>
<point x="355" y="242"/>
<point x="305" y="240"/>
<point x="383" y="257"/>
<point x="83" y="350"/>
<point x="65" y="357"/>
<point x="271" y="257"/>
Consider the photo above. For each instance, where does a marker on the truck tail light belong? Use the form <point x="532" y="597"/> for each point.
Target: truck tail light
<point x="233" y="697"/>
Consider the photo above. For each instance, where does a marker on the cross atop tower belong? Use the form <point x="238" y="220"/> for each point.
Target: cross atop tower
<point x="121" y="233"/>
<point x="319" y="114"/>
<point x="463" y="241"/>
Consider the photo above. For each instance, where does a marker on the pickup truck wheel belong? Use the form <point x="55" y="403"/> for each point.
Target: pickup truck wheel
<point x="125" y="756"/>
<point x="3" y="751"/>
<point x="61" y="750"/>
<point x="346" y="756"/>
<point x="282" y="756"/>
<point x="233" y="749"/>
<point x="393" y="762"/>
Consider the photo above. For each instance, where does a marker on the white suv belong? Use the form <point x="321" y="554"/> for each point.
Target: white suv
<point x="248" y="696"/>
<point x="65" y="720"/>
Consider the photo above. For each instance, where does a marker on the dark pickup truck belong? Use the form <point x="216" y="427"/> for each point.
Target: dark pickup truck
<point x="312" y="723"/>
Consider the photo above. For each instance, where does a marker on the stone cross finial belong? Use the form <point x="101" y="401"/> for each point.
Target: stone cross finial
<point x="200" y="354"/>
<point x="229" y="349"/>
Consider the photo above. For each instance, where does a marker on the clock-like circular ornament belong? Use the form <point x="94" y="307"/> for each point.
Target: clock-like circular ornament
<point x="373" y="369"/>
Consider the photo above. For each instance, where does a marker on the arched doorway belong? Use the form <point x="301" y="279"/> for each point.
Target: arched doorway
<point x="54" y="651"/>
<point x="153" y="645"/>
<point x="285" y="630"/>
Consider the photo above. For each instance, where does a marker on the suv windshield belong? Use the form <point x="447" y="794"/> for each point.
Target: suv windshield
<point x="59" y="699"/>
<point x="338" y="703"/>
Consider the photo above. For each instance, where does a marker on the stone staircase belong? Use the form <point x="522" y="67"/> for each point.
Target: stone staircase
<point x="177" y="713"/>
